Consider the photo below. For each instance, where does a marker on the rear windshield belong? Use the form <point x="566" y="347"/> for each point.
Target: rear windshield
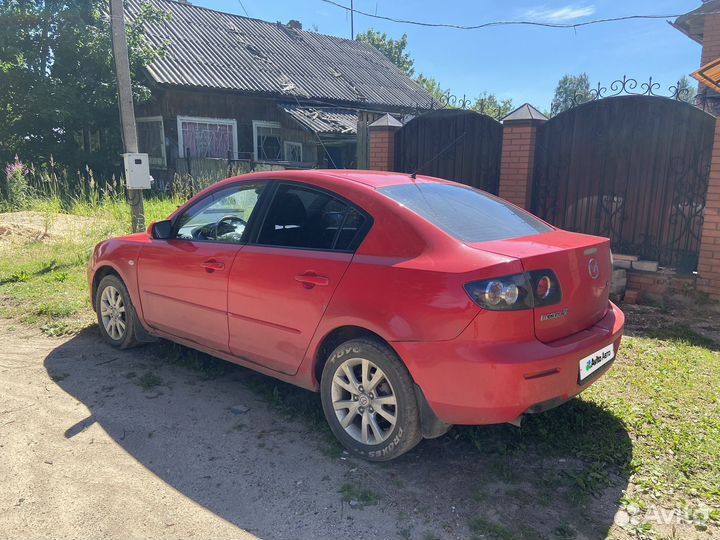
<point x="465" y="213"/>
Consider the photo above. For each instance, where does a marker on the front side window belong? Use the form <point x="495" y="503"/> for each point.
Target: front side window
<point x="311" y="219"/>
<point x="465" y="213"/>
<point x="207" y="137"/>
<point x="220" y="217"/>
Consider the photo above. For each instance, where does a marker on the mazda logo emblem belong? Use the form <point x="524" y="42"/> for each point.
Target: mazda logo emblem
<point x="593" y="268"/>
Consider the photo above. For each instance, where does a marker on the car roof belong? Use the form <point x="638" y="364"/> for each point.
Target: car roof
<point x="373" y="179"/>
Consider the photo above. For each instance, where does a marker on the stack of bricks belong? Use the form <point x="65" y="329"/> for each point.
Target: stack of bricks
<point x="659" y="283"/>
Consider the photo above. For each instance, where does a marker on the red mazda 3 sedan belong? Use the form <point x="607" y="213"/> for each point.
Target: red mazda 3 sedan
<point x="410" y="304"/>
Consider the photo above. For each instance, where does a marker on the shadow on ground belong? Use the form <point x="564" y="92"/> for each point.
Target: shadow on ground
<point x="256" y="452"/>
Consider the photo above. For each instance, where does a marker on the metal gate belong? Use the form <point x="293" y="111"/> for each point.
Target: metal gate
<point x="454" y="144"/>
<point x="632" y="168"/>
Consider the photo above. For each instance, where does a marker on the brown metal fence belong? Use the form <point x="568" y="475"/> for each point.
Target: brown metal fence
<point x="455" y="144"/>
<point x="632" y="168"/>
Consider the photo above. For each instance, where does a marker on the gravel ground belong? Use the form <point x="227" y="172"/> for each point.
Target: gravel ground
<point x="124" y="444"/>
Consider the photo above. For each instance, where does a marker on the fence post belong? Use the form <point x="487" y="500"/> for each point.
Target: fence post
<point x="382" y="143"/>
<point x="518" y="154"/>
<point x="709" y="261"/>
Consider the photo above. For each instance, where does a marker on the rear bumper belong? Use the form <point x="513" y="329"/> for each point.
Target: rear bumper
<point x="470" y="382"/>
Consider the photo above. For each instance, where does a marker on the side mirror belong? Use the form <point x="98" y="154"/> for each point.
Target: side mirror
<point x="161" y="230"/>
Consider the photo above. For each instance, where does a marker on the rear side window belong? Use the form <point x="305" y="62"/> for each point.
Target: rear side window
<point x="311" y="219"/>
<point x="465" y="213"/>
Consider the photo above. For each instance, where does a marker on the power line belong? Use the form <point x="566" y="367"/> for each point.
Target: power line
<point x="243" y="8"/>
<point x="500" y="23"/>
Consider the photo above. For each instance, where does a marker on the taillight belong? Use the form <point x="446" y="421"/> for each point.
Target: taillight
<point x="546" y="288"/>
<point x="501" y="294"/>
<point x="519" y="291"/>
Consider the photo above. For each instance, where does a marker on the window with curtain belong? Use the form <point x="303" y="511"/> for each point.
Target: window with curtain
<point x="207" y="137"/>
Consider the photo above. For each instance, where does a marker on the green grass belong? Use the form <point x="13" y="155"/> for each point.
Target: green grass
<point x="43" y="283"/>
<point x="149" y="380"/>
<point x="363" y="497"/>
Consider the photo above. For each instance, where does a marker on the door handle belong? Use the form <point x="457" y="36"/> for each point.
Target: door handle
<point x="211" y="265"/>
<point x="310" y="279"/>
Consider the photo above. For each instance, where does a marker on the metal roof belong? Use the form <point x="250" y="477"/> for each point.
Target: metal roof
<point x="525" y="112"/>
<point x="323" y="120"/>
<point x="214" y="50"/>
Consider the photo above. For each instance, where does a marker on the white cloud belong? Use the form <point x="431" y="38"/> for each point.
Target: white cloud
<point x="559" y="15"/>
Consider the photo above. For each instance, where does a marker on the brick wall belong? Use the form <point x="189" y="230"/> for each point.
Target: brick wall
<point x="709" y="262"/>
<point x="382" y="148"/>
<point x="658" y="283"/>
<point x="711" y="39"/>
<point x="516" y="163"/>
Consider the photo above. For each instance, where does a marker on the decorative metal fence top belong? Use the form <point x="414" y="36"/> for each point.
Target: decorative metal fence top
<point x="448" y="100"/>
<point x="630" y="87"/>
<point x="621" y="87"/>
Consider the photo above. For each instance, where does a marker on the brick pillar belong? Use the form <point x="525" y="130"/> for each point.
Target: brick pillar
<point x="709" y="262"/>
<point x="382" y="143"/>
<point x="711" y="38"/>
<point x="518" y="154"/>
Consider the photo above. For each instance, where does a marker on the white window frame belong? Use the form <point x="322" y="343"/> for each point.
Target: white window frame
<point x="290" y="144"/>
<point x="262" y="123"/>
<point x="206" y="120"/>
<point x="162" y="129"/>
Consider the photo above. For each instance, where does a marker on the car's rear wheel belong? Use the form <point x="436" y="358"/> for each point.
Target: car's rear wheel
<point x="115" y="313"/>
<point x="369" y="401"/>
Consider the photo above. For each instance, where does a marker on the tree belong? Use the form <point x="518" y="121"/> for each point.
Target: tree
<point x="685" y="90"/>
<point x="490" y="105"/>
<point x="57" y="84"/>
<point x="432" y="87"/>
<point x="393" y="49"/>
<point x="571" y="90"/>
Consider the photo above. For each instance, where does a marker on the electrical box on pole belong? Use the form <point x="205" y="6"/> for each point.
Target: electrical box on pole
<point x="137" y="171"/>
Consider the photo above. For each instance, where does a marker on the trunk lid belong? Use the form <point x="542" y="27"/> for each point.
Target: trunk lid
<point x="583" y="267"/>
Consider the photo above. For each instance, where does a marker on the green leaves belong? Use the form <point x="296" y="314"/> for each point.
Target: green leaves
<point x="57" y="82"/>
<point x="393" y="49"/>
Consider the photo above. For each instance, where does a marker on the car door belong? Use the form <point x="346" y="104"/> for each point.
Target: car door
<point x="281" y="283"/>
<point x="183" y="281"/>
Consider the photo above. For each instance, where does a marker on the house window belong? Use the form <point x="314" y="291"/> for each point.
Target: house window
<point x="268" y="142"/>
<point x="293" y="151"/>
<point x="151" y="140"/>
<point x="207" y="137"/>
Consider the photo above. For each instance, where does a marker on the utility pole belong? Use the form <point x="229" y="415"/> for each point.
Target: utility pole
<point x="127" y="113"/>
<point x="352" y="20"/>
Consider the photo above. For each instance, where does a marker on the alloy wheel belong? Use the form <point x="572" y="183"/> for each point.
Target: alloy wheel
<point x="364" y="401"/>
<point x="112" y="312"/>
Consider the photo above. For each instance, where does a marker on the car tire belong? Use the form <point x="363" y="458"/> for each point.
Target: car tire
<point x="376" y="419"/>
<point x="115" y="313"/>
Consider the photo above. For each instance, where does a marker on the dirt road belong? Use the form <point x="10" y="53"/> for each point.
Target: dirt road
<point x="125" y="444"/>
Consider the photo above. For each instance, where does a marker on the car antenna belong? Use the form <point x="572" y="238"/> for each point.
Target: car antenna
<point x="440" y="153"/>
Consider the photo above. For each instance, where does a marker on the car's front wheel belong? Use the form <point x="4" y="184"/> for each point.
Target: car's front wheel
<point x="368" y="400"/>
<point x="115" y="313"/>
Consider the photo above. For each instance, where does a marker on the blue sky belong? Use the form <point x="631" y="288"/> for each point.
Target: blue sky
<point x="522" y="63"/>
